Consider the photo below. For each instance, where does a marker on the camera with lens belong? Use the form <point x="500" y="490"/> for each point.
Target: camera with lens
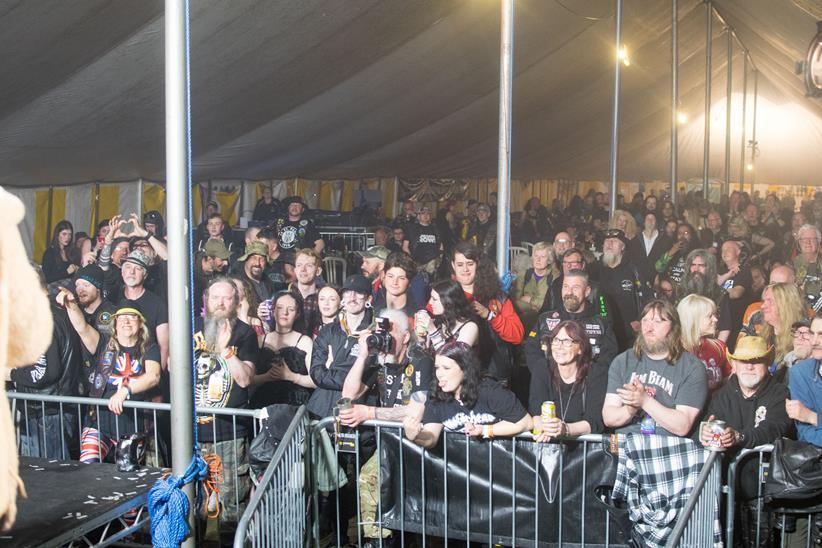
<point x="381" y="340"/>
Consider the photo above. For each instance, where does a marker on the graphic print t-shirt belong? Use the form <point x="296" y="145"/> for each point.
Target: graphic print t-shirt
<point x="114" y="368"/>
<point x="494" y="403"/>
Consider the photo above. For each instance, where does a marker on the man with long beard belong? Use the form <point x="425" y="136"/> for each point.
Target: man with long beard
<point x="700" y="279"/>
<point x="655" y="387"/>
<point x="225" y="352"/>
<point x="626" y="290"/>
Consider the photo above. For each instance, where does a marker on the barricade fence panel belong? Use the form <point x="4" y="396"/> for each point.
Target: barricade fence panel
<point x="77" y="428"/>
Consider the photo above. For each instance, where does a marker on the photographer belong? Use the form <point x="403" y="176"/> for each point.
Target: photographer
<point x="400" y="382"/>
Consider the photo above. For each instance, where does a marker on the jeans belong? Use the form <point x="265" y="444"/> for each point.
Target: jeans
<point x="49" y="436"/>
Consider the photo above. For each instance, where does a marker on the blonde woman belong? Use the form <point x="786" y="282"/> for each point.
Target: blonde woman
<point x="782" y="306"/>
<point x="625" y="222"/>
<point x="698" y="319"/>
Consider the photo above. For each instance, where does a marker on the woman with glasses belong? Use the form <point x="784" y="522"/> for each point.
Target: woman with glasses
<point x="698" y="319"/>
<point x="570" y="380"/>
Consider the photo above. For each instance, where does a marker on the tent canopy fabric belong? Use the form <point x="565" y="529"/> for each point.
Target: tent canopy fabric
<point x="323" y="89"/>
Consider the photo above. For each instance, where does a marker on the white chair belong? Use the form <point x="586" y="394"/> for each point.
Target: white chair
<point x="529" y="246"/>
<point x="515" y="250"/>
<point x="334" y="270"/>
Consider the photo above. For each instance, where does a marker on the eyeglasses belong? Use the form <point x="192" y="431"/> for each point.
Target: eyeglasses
<point x="563" y="343"/>
<point x="802" y="334"/>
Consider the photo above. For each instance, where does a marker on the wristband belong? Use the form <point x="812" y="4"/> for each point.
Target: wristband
<point x="488" y="431"/>
<point x="491" y="315"/>
<point x="228" y="353"/>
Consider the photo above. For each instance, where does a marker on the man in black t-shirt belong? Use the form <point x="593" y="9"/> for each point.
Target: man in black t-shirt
<point x="225" y="354"/>
<point x="295" y="232"/>
<point x="736" y="280"/>
<point x="422" y="242"/>
<point x="397" y="382"/>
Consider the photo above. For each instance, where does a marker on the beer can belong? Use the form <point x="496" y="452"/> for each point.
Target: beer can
<point x="716" y="428"/>
<point x="548" y="411"/>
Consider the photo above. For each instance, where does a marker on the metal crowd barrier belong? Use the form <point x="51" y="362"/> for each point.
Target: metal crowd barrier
<point x="354" y="240"/>
<point x="695" y="527"/>
<point x="761" y="453"/>
<point x="277" y="512"/>
<point x="589" y="521"/>
<point x="29" y="409"/>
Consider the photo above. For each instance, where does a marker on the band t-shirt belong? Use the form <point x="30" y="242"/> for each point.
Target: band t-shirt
<point x="494" y="404"/>
<point x="396" y="383"/>
<point x="683" y="383"/>
<point x="296" y="234"/>
<point x="152" y="307"/>
<point x="113" y="369"/>
<point x="423" y="242"/>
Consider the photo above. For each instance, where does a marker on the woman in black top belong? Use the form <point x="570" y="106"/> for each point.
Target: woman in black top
<point x="571" y="381"/>
<point x="461" y="401"/>
<point x="57" y="262"/>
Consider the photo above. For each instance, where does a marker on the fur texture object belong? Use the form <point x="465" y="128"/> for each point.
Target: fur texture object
<point x="25" y="333"/>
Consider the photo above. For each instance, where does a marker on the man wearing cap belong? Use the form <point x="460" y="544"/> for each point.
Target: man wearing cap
<point x="280" y="269"/>
<point x="752" y="405"/>
<point x="212" y="261"/>
<point x="88" y="285"/>
<point x="155" y="225"/>
<point x="295" y="232"/>
<point x="373" y="260"/>
<point x="135" y="295"/>
<point x="805" y="380"/>
<point x="483" y="232"/>
<point x="423" y="242"/>
<point x="336" y="346"/>
<point x="254" y="262"/>
<point x="622" y="284"/>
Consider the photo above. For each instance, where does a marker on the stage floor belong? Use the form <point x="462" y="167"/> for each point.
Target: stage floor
<point x="67" y="499"/>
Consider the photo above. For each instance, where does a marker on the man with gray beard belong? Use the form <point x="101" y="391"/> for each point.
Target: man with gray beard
<point x="225" y="355"/>
<point x="626" y="290"/>
<point x="700" y="279"/>
<point x="656" y="387"/>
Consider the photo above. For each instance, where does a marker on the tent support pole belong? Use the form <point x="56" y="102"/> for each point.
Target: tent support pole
<point x="140" y="189"/>
<point x="615" y="120"/>
<point x="754" y="144"/>
<point x="674" y="98"/>
<point x="179" y="244"/>
<point x="504" y="162"/>
<point x="50" y="213"/>
<point x="706" y="153"/>
<point x="728" y="97"/>
<point x="744" y="119"/>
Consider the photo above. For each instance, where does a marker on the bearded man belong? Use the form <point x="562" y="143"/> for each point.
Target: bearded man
<point x="226" y="350"/>
<point x="656" y="387"/>
<point x="700" y="279"/>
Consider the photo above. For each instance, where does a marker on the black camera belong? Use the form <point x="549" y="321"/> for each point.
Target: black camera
<point x="381" y="340"/>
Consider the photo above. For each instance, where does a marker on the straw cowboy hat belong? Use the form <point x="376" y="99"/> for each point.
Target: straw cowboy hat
<point x="751" y="349"/>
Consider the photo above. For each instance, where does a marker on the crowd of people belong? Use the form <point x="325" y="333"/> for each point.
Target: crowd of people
<point x="649" y="318"/>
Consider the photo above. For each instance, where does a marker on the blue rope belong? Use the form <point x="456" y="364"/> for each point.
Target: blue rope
<point x="168" y="506"/>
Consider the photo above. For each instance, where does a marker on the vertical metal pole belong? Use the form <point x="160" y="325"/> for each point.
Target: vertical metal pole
<point x="674" y="98"/>
<point x="506" y="54"/>
<point x="753" y="131"/>
<point x="728" y="96"/>
<point x="744" y="119"/>
<point x="96" y="210"/>
<point x="706" y="153"/>
<point x="50" y="210"/>
<point x="615" y="121"/>
<point x="179" y="245"/>
<point x="140" y="189"/>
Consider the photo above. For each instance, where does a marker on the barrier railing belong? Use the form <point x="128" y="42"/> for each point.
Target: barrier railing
<point x="502" y="491"/>
<point x="50" y="427"/>
<point x="354" y="240"/>
<point x="276" y="514"/>
<point x="695" y="526"/>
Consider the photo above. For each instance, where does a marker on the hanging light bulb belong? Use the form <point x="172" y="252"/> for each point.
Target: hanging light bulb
<point x="622" y="55"/>
<point x="682" y="117"/>
<point x="749" y="167"/>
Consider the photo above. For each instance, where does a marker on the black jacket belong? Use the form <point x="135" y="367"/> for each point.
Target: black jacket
<point x="57" y="372"/>
<point x="598" y="328"/>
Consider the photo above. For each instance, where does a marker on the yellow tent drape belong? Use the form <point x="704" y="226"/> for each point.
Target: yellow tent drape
<point x="228" y="205"/>
<point x="154" y="198"/>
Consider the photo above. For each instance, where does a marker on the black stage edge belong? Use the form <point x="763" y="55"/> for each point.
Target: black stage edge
<point x="67" y="500"/>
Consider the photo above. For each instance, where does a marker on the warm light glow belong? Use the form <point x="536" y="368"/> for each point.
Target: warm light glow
<point x="681" y="117"/>
<point x="749" y="167"/>
<point x="622" y="55"/>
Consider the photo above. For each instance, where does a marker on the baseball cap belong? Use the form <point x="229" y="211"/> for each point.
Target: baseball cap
<point x="139" y="258"/>
<point x="255" y="248"/>
<point x="616" y="233"/>
<point x="93" y="274"/>
<point x="216" y="248"/>
<point x="375" y="252"/>
<point x="358" y="283"/>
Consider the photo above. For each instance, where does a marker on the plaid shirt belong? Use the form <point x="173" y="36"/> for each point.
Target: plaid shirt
<point x="655" y="476"/>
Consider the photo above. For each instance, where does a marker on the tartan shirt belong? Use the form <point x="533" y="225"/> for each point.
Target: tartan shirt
<point x="655" y="476"/>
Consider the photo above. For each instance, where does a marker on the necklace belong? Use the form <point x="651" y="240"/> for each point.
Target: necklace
<point x="563" y="407"/>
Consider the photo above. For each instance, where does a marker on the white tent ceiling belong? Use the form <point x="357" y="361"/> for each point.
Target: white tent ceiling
<point x="363" y="88"/>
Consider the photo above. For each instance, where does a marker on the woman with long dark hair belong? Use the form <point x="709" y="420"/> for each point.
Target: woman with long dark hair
<point x="570" y="380"/>
<point x="57" y="258"/>
<point x="453" y="318"/>
<point x="285" y="356"/>
<point x="462" y="401"/>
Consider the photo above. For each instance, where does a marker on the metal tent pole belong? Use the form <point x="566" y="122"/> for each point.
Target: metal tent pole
<point x="754" y="145"/>
<point x="706" y="153"/>
<point x="615" y="121"/>
<point x="744" y="119"/>
<point x="179" y="245"/>
<point x="728" y="97"/>
<point x="674" y="98"/>
<point x="504" y="162"/>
